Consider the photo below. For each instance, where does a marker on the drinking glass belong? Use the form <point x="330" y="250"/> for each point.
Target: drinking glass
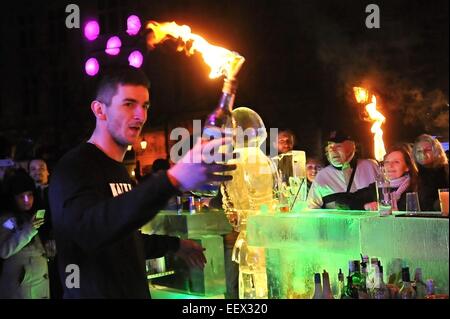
<point x="443" y="200"/>
<point x="412" y="203"/>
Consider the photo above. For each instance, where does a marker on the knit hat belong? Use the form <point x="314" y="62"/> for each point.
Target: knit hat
<point x="20" y="182"/>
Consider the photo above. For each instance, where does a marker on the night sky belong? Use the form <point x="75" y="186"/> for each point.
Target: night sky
<point x="302" y="59"/>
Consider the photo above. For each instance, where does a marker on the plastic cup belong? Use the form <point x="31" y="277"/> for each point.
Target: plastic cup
<point x="412" y="203"/>
<point x="443" y="200"/>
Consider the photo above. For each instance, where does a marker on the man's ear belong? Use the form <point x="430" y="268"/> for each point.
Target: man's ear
<point x="98" y="108"/>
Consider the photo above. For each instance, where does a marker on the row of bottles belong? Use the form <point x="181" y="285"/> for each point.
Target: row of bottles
<point x="325" y="291"/>
<point x="366" y="281"/>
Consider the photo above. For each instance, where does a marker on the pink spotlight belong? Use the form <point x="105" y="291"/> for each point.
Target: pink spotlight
<point x="133" y="25"/>
<point x="136" y="59"/>
<point x="113" y="46"/>
<point x="91" y="67"/>
<point x="91" y="30"/>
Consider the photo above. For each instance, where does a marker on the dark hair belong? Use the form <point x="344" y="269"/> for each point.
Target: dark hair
<point x="108" y="85"/>
<point x="16" y="183"/>
<point x="160" y="164"/>
<point x="287" y="132"/>
<point x="314" y="158"/>
<point x="406" y="151"/>
<point x="36" y="159"/>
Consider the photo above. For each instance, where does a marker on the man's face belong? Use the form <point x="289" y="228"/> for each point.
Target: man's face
<point x="339" y="154"/>
<point x="424" y="153"/>
<point x="39" y="172"/>
<point x="24" y="201"/>
<point x="127" y="113"/>
<point x="395" y="165"/>
<point x="285" y="143"/>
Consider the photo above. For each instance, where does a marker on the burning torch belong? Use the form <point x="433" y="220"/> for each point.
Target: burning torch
<point x="382" y="181"/>
<point x="221" y="62"/>
<point x="362" y="97"/>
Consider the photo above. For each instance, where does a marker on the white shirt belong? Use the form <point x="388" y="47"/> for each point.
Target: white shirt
<point x="331" y="180"/>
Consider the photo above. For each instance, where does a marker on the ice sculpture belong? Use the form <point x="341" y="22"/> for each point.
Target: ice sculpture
<point x="249" y="193"/>
<point x="292" y="188"/>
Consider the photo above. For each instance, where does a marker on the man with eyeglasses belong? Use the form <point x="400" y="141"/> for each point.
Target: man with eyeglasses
<point x="344" y="183"/>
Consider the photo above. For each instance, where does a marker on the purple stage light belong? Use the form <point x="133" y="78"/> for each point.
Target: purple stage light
<point x="133" y="25"/>
<point x="91" y="30"/>
<point x="113" y="46"/>
<point x="136" y="59"/>
<point x="91" y="67"/>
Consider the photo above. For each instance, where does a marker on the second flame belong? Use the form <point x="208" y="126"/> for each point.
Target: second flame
<point x="362" y="96"/>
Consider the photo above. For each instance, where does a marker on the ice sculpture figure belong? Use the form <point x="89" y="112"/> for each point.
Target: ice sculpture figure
<point x="292" y="185"/>
<point x="249" y="193"/>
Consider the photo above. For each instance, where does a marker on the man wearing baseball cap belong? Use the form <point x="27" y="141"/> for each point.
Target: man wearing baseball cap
<point x="343" y="184"/>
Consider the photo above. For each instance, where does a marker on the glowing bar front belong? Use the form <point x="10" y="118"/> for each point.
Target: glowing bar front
<point x="301" y="244"/>
<point x="206" y="228"/>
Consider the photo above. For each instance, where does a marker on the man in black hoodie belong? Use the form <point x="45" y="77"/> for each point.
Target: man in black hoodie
<point x="95" y="212"/>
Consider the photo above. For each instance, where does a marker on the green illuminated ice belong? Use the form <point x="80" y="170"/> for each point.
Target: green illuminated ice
<point x="301" y="244"/>
<point x="206" y="228"/>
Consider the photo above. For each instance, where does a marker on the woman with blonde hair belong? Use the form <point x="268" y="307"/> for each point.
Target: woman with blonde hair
<point x="432" y="163"/>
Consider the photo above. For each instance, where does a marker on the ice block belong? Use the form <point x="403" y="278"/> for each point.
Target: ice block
<point x="301" y="244"/>
<point x="188" y="225"/>
<point x="206" y="228"/>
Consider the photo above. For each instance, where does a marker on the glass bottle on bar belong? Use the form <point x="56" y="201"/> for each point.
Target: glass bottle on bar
<point x="430" y="289"/>
<point x="407" y="291"/>
<point x="364" y="272"/>
<point x="371" y="275"/>
<point x="380" y="290"/>
<point x="351" y="292"/>
<point x="218" y="124"/>
<point x="318" y="292"/>
<point x="419" y="285"/>
<point x="355" y="272"/>
<point x="363" y="294"/>
<point x="353" y="279"/>
<point x="326" y="291"/>
<point x="341" y="286"/>
<point x="394" y="279"/>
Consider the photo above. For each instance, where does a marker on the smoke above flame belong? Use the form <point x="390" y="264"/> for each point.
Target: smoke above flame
<point x="362" y="97"/>
<point x="220" y="60"/>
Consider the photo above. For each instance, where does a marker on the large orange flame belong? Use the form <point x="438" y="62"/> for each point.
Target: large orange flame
<point x="220" y="60"/>
<point x="362" y="96"/>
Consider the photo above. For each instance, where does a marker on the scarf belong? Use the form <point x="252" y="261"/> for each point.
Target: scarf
<point x="401" y="184"/>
